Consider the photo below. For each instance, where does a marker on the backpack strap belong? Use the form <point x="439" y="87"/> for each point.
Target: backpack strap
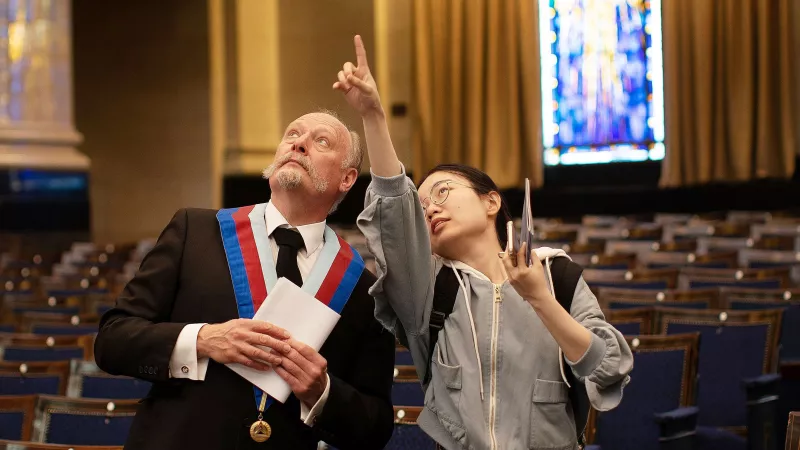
<point x="445" y="291"/>
<point x="566" y="275"/>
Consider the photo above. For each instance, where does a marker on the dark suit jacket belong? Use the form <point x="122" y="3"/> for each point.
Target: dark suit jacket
<point x="185" y="279"/>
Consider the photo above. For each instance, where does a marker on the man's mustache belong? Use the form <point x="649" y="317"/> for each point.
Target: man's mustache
<point x="302" y="160"/>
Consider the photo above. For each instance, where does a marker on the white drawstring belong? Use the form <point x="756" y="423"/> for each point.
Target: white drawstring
<point x="467" y="297"/>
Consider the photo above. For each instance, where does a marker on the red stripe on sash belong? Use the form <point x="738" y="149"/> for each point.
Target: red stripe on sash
<point x="336" y="273"/>
<point x="252" y="263"/>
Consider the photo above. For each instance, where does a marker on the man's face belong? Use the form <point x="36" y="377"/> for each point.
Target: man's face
<point x="310" y="156"/>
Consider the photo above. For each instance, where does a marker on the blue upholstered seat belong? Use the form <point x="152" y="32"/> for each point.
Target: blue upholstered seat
<point x="626" y="304"/>
<point x="407" y="393"/>
<point x="16" y="416"/>
<point x="17" y="384"/>
<point x="36" y="353"/>
<point x="408" y="437"/>
<point x="11" y="423"/>
<point x="721" y="396"/>
<point x="101" y="386"/>
<point x="77" y="428"/>
<point x="84" y="422"/>
<point x="665" y="362"/>
<point x="790" y="324"/>
<point x="402" y="357"/>
<point x="64" y="330"/>
<point x="770" y="283"/>
<point x="407" y="434"/>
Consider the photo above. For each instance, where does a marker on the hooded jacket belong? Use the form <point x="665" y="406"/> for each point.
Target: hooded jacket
<point x="497" y="381"/>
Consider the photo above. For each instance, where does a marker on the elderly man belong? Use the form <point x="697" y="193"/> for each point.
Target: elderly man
<point x="188" y="312"/>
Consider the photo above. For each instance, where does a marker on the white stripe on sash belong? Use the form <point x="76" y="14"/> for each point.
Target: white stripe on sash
<point x="321" y="268"/>
<point x="259" y="226"/>
<point x="313" y="281"/>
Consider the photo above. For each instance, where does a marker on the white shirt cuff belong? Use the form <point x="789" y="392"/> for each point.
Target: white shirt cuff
<point x="184" y="362"/>
<point x="309" y="416"/>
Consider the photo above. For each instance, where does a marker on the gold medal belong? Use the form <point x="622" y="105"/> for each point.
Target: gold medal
<point x="260" y="431"/>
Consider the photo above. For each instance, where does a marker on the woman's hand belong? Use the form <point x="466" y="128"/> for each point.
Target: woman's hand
<point x="527" y="277"/>
<point x="358" y="85"/>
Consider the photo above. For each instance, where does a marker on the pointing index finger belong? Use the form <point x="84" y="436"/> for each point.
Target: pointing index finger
<point x="361" y="52"/>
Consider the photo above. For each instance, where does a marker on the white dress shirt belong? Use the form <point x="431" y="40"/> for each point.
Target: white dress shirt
<point x="184" y="362"/>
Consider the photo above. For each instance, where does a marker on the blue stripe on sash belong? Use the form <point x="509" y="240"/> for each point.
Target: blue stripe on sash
<point x="348" y="283"/>
<point x="241" y="286"/>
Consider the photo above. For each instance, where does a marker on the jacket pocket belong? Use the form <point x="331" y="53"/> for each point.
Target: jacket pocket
<point x="446" y="398"/>
<point x="552" y="424"/>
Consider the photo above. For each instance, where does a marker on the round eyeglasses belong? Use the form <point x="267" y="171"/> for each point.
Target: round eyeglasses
<point x="439" y="193"/>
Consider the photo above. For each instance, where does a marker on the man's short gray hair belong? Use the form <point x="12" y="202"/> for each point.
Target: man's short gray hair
<point x="354" y="157"/>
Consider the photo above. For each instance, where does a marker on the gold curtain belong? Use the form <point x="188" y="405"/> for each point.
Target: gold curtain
<point x="730" y="90"/>
<point x="477" y="92"/>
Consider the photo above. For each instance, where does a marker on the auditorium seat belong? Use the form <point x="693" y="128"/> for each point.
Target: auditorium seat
<point x="667" y="259"/>
<point x="606" y="296"/>
<point x="700" y="278"/>
<point x="26" y="348"/>
<point x="88" y="381"/>
<point x="612" y="262"/>
<point x="751" y="336"/>
<point x="789" y="342"/>
<point x="402" y="357"/>
<point x="662" y="380"/>
<point x="789" y="398"/>
<point x="407" y="434"/>
<point x="27" y="321"/>
<point x="63" y="420"/>
<point x="633" y="321"/>
<point x="631" y="279"/>
<point x="793" y="431"/>
<point x="16" y="417"/>
<point x="610" y="302"/>
<point x="49" y="329"/>
<point x="32" y="378"/>
<point x="406" y="389"/>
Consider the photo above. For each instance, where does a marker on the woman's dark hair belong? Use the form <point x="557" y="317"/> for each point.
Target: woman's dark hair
<point x="483" y="184"/>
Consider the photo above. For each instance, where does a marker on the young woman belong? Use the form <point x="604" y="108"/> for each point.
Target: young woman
<point x="496" y="379"/>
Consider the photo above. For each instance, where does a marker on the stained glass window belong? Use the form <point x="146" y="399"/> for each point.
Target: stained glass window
<point x="602" y="81"/>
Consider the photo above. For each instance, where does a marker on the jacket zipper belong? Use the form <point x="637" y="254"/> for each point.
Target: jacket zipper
<point x="493" y="374"/>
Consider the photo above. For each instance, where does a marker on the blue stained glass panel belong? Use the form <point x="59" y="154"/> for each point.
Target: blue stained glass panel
<point x="602" y="80"/>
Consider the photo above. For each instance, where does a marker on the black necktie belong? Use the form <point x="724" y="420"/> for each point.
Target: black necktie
<point x="289" y="242"/>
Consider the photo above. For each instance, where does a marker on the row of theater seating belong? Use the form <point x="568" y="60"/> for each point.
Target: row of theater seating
<point x="712" y="315"/>
<point x="640" y="270"/>
<point x="703" y="368"/>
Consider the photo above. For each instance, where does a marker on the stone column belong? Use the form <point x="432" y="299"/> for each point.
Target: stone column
<point x="36" y="111"/>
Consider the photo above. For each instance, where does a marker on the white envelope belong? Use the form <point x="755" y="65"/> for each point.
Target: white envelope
<point x="307" y="319"/>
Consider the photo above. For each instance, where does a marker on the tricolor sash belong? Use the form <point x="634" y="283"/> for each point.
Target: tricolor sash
<point x="250" y="260"/>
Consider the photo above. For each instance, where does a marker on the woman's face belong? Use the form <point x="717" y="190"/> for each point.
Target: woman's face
<point x="454" y="211"/>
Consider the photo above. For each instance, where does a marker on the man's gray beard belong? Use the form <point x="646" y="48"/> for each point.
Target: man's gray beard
<point x="291" y="178"/>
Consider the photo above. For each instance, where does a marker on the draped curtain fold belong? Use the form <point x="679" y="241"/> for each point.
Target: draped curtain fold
<point x="730" y="91"/>
<point x="477" y="91"/>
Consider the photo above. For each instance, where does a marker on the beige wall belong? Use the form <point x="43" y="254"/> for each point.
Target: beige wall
<point x="142" y="104"/>
<point x="286" y="58"/>
<point x="169" y="95"/>
<point x="316" y="39"/>
<point x="393" y="30"/>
